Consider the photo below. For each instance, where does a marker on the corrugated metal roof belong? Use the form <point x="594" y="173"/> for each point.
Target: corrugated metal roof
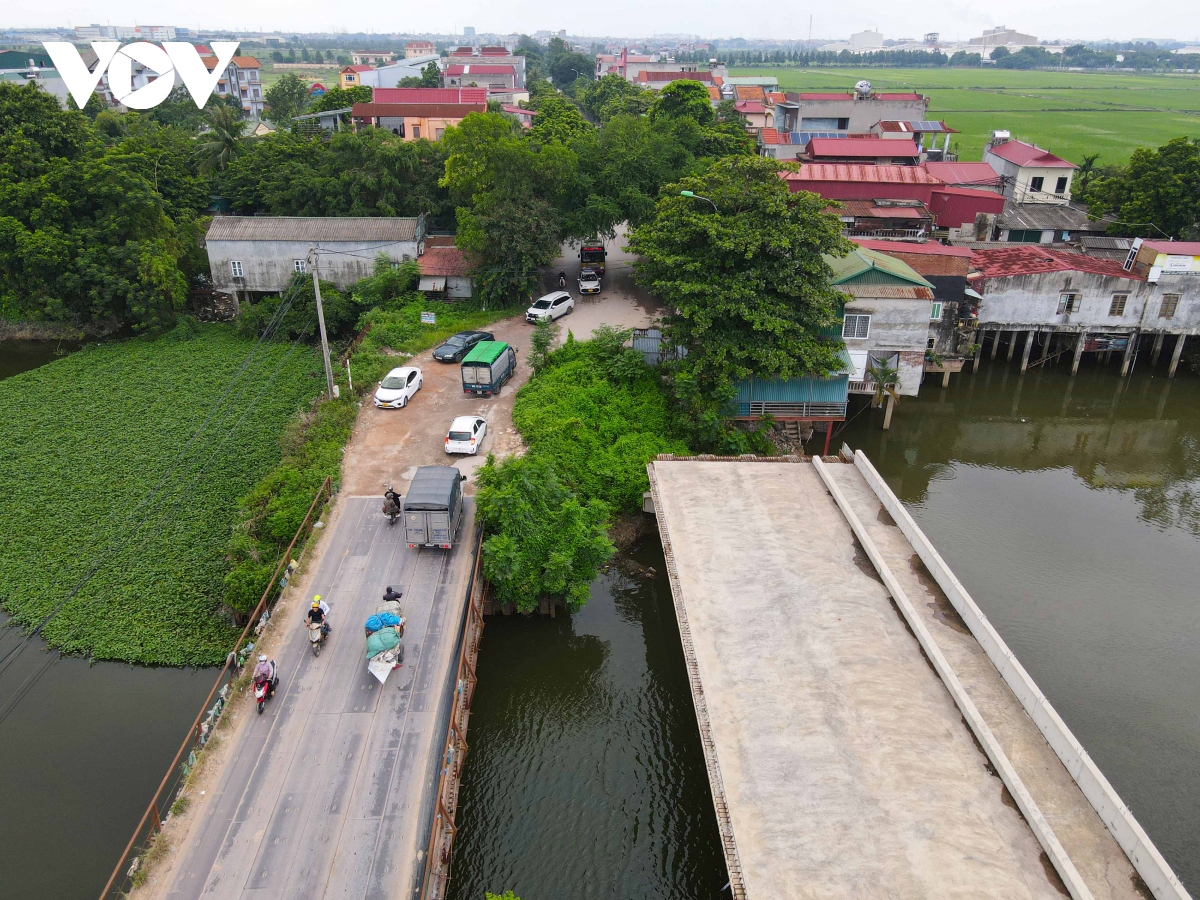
<point x="349" y="229"/>
<point x="857" y="172"/>
<point x="429" y="95"/>
<point x="1032" y="259"/>
<point x="1023" y="154"/>
<point x="807" y="389"/>
<point x="858" y="262"/>
<point x="417" y="110"/>
<point x="1103" y="242"/>
<point x="930" y="248"/>
<point x="1057" y="216"/>
<point x="964" y="173"/>
<point x="1174" y="248"/>
<point x="885" y="292"/>
<point x="864" y="147"/>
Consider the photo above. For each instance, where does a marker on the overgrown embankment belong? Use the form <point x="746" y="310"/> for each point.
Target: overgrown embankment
<point x="136" y="455"/>
<point x="592" y="416"/>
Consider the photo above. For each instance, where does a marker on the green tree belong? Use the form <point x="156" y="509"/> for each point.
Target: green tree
<point x="222" y="143"/>
<point x="286" y="99"/>
<point x="342" y="98"/>
<point x="431" y="76"/>
<point x="886" y="379"/>
<point x="544" y="333"/>
<point x="566" y="68"/>
<point x="543" y="541"/>
<point x="747" y="283"/>
<point x="1157" y="194"/>
<point x="509" y="237"/>
<point x="558" y="121"/>
<point x="611" y="96"/>
<point x="683" y="100"/>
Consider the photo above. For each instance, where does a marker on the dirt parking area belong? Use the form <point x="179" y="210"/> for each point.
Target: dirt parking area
<point x="389" y="444"/>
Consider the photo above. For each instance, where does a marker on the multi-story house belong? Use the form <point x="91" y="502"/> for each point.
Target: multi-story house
<point x="241" y="79"/>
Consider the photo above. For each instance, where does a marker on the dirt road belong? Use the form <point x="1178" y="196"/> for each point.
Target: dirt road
<point x="388" y="445"/>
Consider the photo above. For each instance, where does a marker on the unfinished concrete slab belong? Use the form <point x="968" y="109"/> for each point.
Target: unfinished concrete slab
<point x="840" y="763"/>
<point x="329" y="793"/>
<point x="1097" y="857"/>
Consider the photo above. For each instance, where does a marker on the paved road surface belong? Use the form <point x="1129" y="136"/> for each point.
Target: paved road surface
<point x="328" y="793"/>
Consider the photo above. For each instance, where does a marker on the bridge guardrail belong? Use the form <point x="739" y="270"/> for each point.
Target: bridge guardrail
<point x="1155" y="871"/>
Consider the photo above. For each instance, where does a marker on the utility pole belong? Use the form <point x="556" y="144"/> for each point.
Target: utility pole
<point x="312" y="258"/>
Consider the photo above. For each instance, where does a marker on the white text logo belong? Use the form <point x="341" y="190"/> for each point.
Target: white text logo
<point x="174" y="58"/>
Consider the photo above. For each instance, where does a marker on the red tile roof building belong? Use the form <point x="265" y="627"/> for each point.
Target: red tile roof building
<point x="872" y="148"/>
<point x="430" y="95"/>
<point x="1031" y="260"/>
<point x="1028" y="155"/>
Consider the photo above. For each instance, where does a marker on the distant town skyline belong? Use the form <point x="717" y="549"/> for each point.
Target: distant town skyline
<point x="755" y="20"/>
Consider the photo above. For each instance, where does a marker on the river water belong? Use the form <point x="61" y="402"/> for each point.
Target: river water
<point x="83" y="751"/>
<point x="1069" y="508"/>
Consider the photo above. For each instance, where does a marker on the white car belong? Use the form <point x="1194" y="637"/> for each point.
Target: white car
<point x="589" y="282"/>
<point x="551" y="306"/>
<point x="398" y="387"/>
<point x="466" y="435"/>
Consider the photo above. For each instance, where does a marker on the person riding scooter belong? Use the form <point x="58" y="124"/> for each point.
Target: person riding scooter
<point x="390" y="594"/>
<point x="562" y="279"/>
<point x="391" y="503"/>
<point x="267" y="669"/>
<point x="318" y="614"/>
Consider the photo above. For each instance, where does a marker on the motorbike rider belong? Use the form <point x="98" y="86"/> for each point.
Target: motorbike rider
<point x="319" y="614"/>
<point x="562" y="279"/>
<point x="390" y="594"/>
<point x="393" y="499"/>
<point x="267" y="669"/>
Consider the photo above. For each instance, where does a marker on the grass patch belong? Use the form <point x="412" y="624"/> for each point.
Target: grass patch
<point x="88" y="437"/>
<point x="1069" y="113"/>
<point x="401" y="331"/>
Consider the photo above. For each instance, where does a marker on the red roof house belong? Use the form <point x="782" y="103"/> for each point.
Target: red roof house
<point x="864" y="148"/>
<point x="1028" y="156"/>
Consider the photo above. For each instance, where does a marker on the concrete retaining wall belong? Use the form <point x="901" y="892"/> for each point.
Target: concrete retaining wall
<point x="1150" y="864"/>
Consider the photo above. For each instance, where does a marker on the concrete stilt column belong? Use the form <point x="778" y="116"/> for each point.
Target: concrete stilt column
<point x="946" y="379"/>
<point x="1158" y="342"/>
<point x="1078" y="352"/>
<point x="1028" y="347"/>
<point x="1042" y="354"/>
<point x="980" y="337"/>
<point x="1127" y="359"/>
<point x="996" y="343"/>
<point x="887" y="412"/>
<point x="1012" y="344"/>
<point x="1175" y="354"/>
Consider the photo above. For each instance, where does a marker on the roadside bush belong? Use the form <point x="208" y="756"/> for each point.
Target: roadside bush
<point x="544" y="539"/>
<point x="272" y="512"/>
<point x="599" y="414"/>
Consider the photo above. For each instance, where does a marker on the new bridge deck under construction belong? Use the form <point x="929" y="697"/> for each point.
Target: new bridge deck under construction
<point x="841" y="763"/>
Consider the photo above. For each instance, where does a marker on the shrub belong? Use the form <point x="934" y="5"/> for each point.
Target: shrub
<point x="599" y="414"/>
<point x="544" y="540"/>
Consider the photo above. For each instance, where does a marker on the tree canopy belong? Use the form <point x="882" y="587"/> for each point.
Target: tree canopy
<point x="1156" y="195"/>
<point x="747" y="283"/>
<point x="286" y="99"/>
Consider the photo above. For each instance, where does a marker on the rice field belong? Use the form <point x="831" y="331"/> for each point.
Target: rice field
<point x="1068" y="113"/>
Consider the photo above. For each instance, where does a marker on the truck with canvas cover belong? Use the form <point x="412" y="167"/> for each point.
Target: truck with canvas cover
<point x="487" y="367"/>
<point x="433" y="507"/>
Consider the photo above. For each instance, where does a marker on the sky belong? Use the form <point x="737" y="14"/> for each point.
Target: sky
<point x="953" y="19"/>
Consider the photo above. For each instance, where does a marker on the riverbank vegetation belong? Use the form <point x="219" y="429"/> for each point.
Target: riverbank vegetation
<point x="592" y="416"/>
<point x="136" y="456"/>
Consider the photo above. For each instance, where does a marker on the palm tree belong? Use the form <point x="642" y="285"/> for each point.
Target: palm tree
<point x="1087" y="169"/>
<point x="887" y="379"/>
<point x="217" y="147"/>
